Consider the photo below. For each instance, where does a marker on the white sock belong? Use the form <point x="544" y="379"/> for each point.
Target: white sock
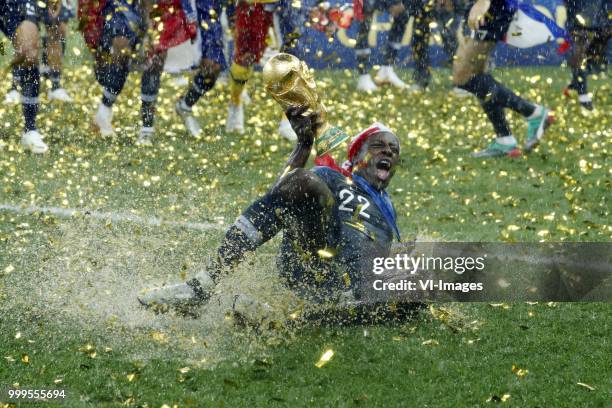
<point x="103" y="109"/>
<point x="537" y="112"/>
<point x="506" y="140"/>
<point x="585" y="98"/>
<point x="183" y="105"/>
<point x="147" y="130"/>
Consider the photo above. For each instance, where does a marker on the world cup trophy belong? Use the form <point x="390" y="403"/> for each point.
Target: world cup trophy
<point x="290" y="82"/>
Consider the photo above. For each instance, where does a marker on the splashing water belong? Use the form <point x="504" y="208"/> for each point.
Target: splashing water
<point x="86" y="279"/>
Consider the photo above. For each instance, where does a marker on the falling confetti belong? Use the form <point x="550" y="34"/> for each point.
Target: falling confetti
<point x="325" y="358"/>
<point x="587" y="386"/>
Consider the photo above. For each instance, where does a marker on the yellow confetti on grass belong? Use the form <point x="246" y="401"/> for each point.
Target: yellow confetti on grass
<point x="495" y="398"/>
<point x="587" y="386"/>
<point x="325" y="358"/>
<point x="159" y="337"/>
<point x="520" y="372"/>
<point x="87" y="348"/>
<point x="502" y="305"/>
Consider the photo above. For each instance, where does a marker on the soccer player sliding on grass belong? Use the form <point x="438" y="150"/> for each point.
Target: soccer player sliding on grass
<point x="334" y="221"/>
<point x="489" y="21"/>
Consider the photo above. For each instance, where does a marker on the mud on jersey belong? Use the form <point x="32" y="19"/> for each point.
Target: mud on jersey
<point x="358" y="232"/>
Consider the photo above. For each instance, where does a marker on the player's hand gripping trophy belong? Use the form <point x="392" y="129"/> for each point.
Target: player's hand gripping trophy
<point x="289" y="81"/>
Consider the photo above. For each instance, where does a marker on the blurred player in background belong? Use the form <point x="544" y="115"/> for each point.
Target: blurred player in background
<point x="400" y="10"/>
<point x="174" y="22"/>
<point x="113" y="29"/>
<point x="19" y="22"/>
<point x="488" y="21"/>
<point x="590" y="25"/>
<point x="448" y="14"/>
<point x="213" y="62"/>
<point x="53" y="48"/>
<point x="252" y="22"/>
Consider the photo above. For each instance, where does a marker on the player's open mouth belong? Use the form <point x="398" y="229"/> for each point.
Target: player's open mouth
<point x="382" y="169"/>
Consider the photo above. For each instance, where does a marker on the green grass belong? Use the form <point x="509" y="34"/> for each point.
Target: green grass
<point x="67" y="286"/>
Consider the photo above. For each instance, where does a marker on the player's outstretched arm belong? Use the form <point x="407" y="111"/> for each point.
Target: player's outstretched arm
<point x="305" y="126"/>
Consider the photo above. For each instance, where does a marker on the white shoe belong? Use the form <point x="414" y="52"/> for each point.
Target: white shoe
<point x="365" y="84"/>
<point x="268" y="54"/>
<point x="145" y="138"/>
<point x="192" y="293"/>
<point x="386" y="75"/>
<point x="191" y="123"/>
<point x="32" y="141"/>
<point x="286" y="131"/>
<point x="223" y="78"/>
<point x="250" y="311"/>
<point x="235" y="118"/>
<point x="43" y="69"/>
<point x="415" y="88"/>
<point x="103" y="120"/>
<point x="245" y="98"/>
<point x="460" y="93"/>
<point x="179" y="81"/>
<point x="59" y="94"/>
<point x="13" y="97"/>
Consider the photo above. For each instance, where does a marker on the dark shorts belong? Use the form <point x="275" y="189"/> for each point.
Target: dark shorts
<point x="65" y="15"/>
<point x="497" y="22"/>
<point x="412" y="6"/>
<point x="126" y="24"/>
<point x="15" y="12"/>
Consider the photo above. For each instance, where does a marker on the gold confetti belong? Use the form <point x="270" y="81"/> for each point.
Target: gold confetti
<point x="587" y="386"/>
<point x="159" y="337"/>
<point x="326" y="253"/>
<point x="520" y="372"/>
<point x="325" y="358"/>
<point x="495" y="398"/>
<point x="502" y="305"/>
